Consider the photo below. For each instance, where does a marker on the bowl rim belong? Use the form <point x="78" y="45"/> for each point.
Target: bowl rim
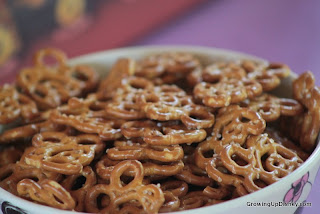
<point x="313" y="158"/>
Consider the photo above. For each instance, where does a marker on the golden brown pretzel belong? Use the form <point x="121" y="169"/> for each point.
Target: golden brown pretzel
<point x="271" y="107"/>
<point x="280" y="161"/>
<point x="268" y="76"/>
<point x="176" y="187"/>
<point x="105" y="166"/>
<point x="122" y="68"/>
<point x="46" y="192"/>
<point x="62" y="154"/>
<point x="12" y="174"/>
<point x="234" y="124"/>
<point x="133" y="150"/>
<point x="194" y="175"/>
<point x="81" y="116"/>
<point x="171" y="203"/>
<point x="226" y="92"/>
<point x="150" y="197"/>
<point x="78" y="186"/>
<point x="171" y="62"/>
<point x="14" y="105"/>
<point x="307" y="125"/>
<point x="223" y="70"/>
<point x="174" y="134"/>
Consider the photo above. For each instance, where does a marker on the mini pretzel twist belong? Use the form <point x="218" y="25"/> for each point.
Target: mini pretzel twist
<point x="269" y="76"/>
<point x="79" y="115"/>
<point x="67" y="156"/>
<point x="176" y="187"/>
<point x="174" y="134"/>
<point x="271" y="107"/>
<point x="10" y="154"/>
<point x="121" y="69"/>
<point x="235" y="123"/>
<point x="279" y="163"/>
<point x="47" y="192"/>
<point x="308" y="124"/>
<point x="12" y="174"/>
<point x="78" y="186"/>
<point x="149" y="196"/>
<point x="223" y="70"/>
<point x="226" y="92"/>
<point x="14" y="105"/>
<point x="156" y="65"/>
<point x="141" y="151"/>
<point x="106" y="165"/>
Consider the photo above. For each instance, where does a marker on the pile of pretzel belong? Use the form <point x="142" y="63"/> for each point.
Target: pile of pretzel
<point x="160" y="134"/>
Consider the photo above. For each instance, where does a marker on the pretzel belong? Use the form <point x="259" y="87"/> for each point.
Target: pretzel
<point x="176" y="187"/>
<point x="12" y="174"/>
<point x="171" y="62"/>
<point x="67" y="156"/>
<point x="223" y="70"/>
<point x="122" y="68"/>
<point x="46" y="192"/>
<point x="79" y="115"/>
<point x="218" y="192"/>
<point x="279" y="163"/>
<point x="174" y="134"/>
<point x="194" y="175"/>
<point x="271" y="107"/>
<point x="269" y="76"/>
<point x="135" y="129"/>
<point x="132" y="150"/>
<point x="171" y="203"/>
<point x="149" y="196"/>
<point x="218" y="172"/>
<point x="226" y="92"/>
<point x="14" y="105"/>
<point x="284" y="141"/>
<point x="305" y="91"/>
<point x="23" y="132"/>
<point x="234" y="124"/>
<point x="78" y="186"/>
<point x="196" y="199"/>
<point x="106" y="165"/>
<point x="50" y="87"/>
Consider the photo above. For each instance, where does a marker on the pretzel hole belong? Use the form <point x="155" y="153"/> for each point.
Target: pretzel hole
<point x="103" y="200"/>
<point x="79" y="76"/>
<point x="238" y="160"/>
<point x="6" y="175"/>
<point x="58" y="200"/>
<point x="50" y="60"/>
<point x="125" y="180"/>
<point x="52" y="139"/>
<point x="208" y="154"/>
<point x="245" y="120"/>
<point x="260" y="183"/>
<point x="78" y="183"/>
<point x="40" y="93"/>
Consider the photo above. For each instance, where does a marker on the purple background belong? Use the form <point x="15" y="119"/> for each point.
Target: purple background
<point x="286" y="31"/>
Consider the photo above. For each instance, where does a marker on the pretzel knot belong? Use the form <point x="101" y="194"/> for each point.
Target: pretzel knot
<point x="150" y="197"/>
<point x="141" y="151"/>
<point x="307" y="125"/>
<point x="235" y="123"/>
<point x="46" y="192"/>
<point x="271" y="107"/>
<point x="62" y="154"/>
<point x="14" y="105"/>
<point x="81" y="116"/>
<point x="268" y="76"/>
<point x="78" y="186"/>
<point x="223" y="70"/>
<point x="263" y="160"/>
<point x="226" y="92"/>
<point x="175" y="134"/>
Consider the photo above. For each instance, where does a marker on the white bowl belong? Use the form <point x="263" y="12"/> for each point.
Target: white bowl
<point x="271" y="196"/>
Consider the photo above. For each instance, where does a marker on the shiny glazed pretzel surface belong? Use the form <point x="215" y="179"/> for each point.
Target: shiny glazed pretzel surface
<point x="160" y="134"/>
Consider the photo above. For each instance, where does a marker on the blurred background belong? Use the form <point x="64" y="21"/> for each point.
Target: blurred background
<point x="286" y="31"/>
